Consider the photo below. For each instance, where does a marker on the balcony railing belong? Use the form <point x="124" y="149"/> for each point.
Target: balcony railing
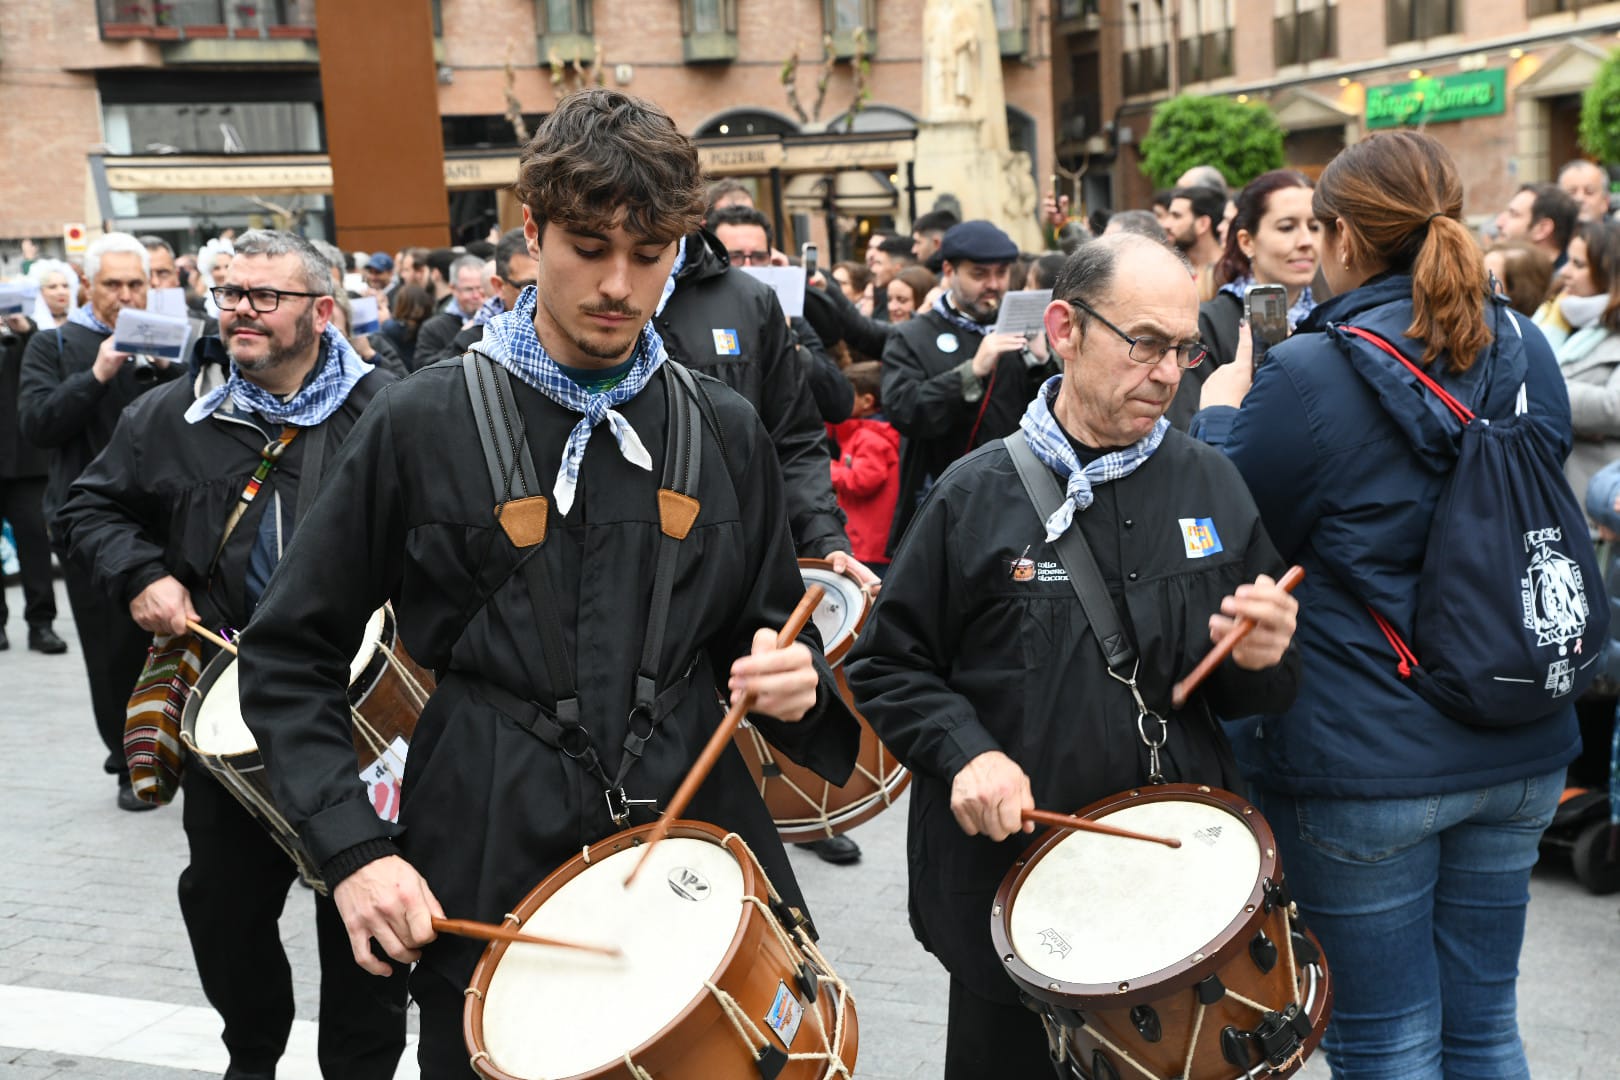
<point x="176" y="20"/>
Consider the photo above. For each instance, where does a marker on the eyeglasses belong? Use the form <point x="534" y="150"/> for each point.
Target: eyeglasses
<point x="1147" y="349"/>
<point x="263" y="301"/>
<point x="749" y="258"/>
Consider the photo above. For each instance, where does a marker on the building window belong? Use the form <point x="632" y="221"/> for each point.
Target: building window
<point x="1012" y="26"/>
<point x="1556" y="7"/>
<point x="845" y="20"/>
<point x="176" y="19"/>
<point x="1305" y="30"/>
<point x="565" y="29"/>
<point x="1147" y="47"/>
<point x="1206" y="40"/>
<point x="1416" y="20"/>
<point x="709" y="30"/>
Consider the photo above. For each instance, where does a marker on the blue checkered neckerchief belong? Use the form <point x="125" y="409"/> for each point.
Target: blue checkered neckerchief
<point x="339" y="367"/>
<point x="1045" y="436"/>
<point x="943" y="308"/>
<point x="85" y="316"/>
<point x="510" y="340"/>
<point x="1297" y="311"/>
<point x="491" y="308"/>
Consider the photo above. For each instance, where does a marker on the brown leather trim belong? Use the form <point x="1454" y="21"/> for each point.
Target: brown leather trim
<point x="525" y="520"/>
<point x="676" y="513"/>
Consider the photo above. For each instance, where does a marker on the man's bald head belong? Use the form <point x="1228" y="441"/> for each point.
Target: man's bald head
<point x="1092" y="272"/>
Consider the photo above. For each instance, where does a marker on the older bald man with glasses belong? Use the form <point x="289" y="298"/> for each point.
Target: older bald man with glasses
<point x="980" y="669"/>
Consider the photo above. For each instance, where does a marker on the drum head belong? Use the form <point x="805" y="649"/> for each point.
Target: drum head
<point x="555" y="1012"/>
<point x="839" y="616"/>
<point x="1102" y="910"/>
<point x="217" y="726"/>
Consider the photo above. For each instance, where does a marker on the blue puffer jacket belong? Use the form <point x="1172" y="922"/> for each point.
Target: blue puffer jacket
<point x="1347" y="481"/>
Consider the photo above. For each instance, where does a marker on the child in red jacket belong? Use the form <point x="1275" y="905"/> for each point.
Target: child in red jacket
<point x="866" y="473"/>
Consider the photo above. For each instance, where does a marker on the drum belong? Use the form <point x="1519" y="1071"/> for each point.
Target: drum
<point x="387" y="691"/>
<point x="803" y="805"/>
<point x="716" y="978"/>
<point x="1152" y="962"/>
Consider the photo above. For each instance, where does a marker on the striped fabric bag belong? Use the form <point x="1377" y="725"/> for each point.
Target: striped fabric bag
<point x="152" y="724"/>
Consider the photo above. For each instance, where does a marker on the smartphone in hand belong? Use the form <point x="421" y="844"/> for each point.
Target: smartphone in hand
<point x="809" y="256"/>
<point x="1265" y="308"/>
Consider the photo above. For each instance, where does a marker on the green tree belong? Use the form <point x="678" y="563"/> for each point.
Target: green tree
<point x="1600" y="112"/>
<point x="1241" y="140"/>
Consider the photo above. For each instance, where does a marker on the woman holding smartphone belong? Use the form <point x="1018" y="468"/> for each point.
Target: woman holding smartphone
<point x="1271" y="241"/>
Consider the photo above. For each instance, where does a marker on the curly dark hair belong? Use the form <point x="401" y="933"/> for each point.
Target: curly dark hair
<point x="603" y="153"/>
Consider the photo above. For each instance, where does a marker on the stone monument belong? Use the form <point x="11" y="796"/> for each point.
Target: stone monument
<point x="962" y="143"/>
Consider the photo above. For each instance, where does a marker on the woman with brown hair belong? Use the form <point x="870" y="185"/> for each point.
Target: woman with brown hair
<point x="1590" y="356"/>
<point x="915" y="283"/>
<point x="1524" y="272"/>
<point x="1407" y="834"/>
<point x="412" y="306"/>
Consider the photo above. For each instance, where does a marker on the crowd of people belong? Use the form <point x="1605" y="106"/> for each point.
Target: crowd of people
<point x="882" y="430"/>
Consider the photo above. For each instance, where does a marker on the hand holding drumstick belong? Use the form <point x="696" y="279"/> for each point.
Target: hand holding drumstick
<point x="1255" y="627"/>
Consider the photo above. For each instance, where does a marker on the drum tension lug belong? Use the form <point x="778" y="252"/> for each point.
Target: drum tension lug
<point x="1101" y="1067"/>
<point x="809" y="985"/>
<point x="1263" y="952"/>
<point x="1277" y="896"/>
<point x="1278" y="1039"/>
<point x="1211" y="990"/>
<point x="770" y="1062"/>
<point x="1305" y="951"/>
<point x="770" y="769"/>
<point x="1147" y="1023"/>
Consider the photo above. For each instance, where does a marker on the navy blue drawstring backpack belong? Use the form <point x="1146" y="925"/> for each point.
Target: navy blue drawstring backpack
<point x="1511" y="617"/>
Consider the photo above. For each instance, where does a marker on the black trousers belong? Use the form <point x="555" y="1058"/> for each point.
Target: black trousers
<point x="986" y="1040"/>
<point x="231" y="896"/>
<point x="22" y="502"/>
<point x="441" y="1047"/>
<point x="114" y="652"/>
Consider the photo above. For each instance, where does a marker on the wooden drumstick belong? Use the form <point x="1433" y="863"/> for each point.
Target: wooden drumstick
<point x="467" y="928"/>
<point x="1069" y="821"/>
<point x="722" y="734"/>
<point x="1183" y="689"/>
<point x="203" y="632"/>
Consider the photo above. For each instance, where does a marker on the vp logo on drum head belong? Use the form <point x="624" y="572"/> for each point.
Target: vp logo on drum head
<point x="688" y="884"/>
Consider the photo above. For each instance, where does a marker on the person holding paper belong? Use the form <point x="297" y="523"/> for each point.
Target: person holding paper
<point x="950" y="383"/>
<point x="147" y="516"/>
<point x="73" y="386"/>
<point x="22" y="496"/>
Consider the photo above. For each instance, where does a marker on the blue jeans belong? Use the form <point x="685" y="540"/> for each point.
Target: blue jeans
<point x="1419" y="904"/>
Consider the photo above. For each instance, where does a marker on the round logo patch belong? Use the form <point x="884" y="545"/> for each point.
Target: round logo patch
<point x="688" y="884"/>
<point x="947" y="343"/>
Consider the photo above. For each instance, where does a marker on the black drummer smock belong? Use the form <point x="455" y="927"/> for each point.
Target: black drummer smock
<point x="962" y="656"/>
<point x="488" y="810"/>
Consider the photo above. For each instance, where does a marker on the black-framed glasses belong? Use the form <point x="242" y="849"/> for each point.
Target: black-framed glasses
<point x="749" y="258"/>
<point x="263" y="301"/>
<point x="1148" y="349"/>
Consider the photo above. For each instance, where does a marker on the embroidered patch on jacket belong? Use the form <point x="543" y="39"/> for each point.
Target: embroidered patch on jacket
<point x="1199" y="537"/>
<point x="725" y="343"/>
<point x="785" y="1014"/>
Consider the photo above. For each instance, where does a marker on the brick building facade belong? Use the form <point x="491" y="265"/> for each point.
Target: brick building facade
<point x="224" y="77"/>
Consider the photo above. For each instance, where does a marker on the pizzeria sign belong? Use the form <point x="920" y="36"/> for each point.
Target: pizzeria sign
<point x="1438" y="99"/>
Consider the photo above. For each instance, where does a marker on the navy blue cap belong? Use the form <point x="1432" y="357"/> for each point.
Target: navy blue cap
<point x="977" y="241"/>
<point x="379" y="261"/>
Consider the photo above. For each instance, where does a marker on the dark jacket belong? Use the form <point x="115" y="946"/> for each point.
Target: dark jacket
<point x="960" y="658"/>
<point x="489" y="809"/>
<point x="19" y="458"/>
<point x="1335" y="472"/>
<point x="731" y="327"/>
<point x="434" y="337"/>
<point x="63" y="408"/>
<point x="403" y="340"/>
<point x="386" y="355"/>
<point x="832" y="393"/>
<point x="1218" y="328"/>
<point x="941" y="409"/>
<point x="835" y="319"/>
<point x="156" y="500"/>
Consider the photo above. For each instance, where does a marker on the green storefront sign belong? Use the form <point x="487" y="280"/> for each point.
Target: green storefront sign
<point x="1438" y="99"/>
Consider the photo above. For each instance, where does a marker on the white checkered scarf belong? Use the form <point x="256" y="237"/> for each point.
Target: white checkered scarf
<point x="1045" y="436"/>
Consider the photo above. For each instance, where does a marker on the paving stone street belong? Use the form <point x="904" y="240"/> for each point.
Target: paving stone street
<point x="97" y="980"/>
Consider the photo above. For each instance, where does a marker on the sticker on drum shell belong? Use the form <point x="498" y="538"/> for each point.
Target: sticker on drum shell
<point x="383" y="778"/>
<point x="785" y="1014"/>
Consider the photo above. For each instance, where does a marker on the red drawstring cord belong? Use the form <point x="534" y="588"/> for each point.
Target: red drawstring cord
<point x="1408" y="660"/>
<point x="1458" y="409"/>
<point x="983" y="405"/>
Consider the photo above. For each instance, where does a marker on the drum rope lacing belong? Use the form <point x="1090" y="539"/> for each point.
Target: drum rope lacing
<point x="373" y="738"/>
<point x="885" y="787"/>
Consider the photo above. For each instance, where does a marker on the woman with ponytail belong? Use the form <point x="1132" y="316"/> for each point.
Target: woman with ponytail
<point x="1407" y="835"/>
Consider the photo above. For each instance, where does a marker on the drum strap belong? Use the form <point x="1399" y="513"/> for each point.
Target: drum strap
<point x="511" y="468"/>
<point x="1041" y="485"/>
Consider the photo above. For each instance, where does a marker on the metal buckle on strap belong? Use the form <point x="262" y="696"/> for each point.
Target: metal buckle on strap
<point x="619" y="805"/>
<point x="1144" y="717"/>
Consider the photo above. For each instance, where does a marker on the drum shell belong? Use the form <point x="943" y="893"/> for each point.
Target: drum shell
<point x="699" y="1043"/>
<point x="804" y="806"/>
<point x="1171" y="991"/>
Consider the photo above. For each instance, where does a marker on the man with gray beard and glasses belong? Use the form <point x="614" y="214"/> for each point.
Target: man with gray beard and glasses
<point x="281" y="388"/>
